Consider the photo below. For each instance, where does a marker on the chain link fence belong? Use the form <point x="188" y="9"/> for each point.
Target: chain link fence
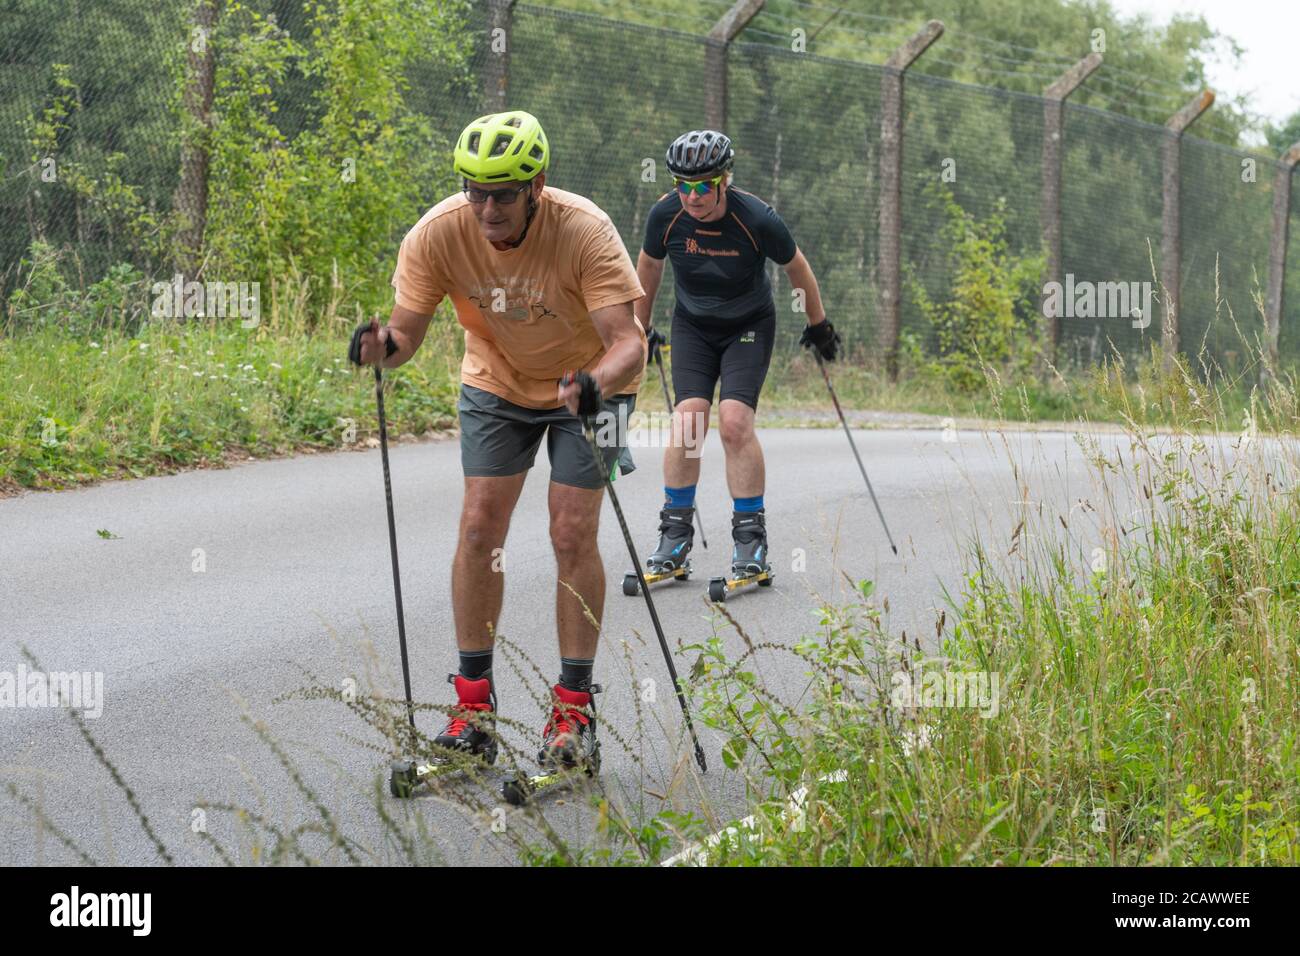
<point x="92" y="91"/>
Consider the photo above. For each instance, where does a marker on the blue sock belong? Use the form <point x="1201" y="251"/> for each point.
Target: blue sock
<point x="749" y="504"/>
<point x="680" y="497"/>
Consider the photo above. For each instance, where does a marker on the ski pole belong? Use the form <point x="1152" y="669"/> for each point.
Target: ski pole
<point x="822" y="365"/>
<point x="392" y="543"/>
<point x="645" y="588"/>
<point x="659" y="360"/>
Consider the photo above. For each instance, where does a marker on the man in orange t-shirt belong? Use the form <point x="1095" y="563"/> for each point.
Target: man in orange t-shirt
<point x="543" y="287"/>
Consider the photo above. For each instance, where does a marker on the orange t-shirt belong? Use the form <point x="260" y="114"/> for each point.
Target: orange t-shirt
<point x="526" y="311"/>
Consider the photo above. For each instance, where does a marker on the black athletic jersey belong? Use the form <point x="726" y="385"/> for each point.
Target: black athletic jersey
<point x="718" y="266"/>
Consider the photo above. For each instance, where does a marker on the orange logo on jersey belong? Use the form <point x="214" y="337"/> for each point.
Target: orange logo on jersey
<point x="694" y="248"/>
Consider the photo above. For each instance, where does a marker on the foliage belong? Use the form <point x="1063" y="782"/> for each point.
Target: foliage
<point x="988" y="316"/>
<point x="333" y="199"/>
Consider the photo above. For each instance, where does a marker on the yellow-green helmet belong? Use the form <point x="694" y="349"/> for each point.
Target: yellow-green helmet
<point x="502" y="147"/>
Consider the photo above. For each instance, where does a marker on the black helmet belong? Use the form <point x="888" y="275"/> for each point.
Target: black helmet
<point x="700" y="152"/>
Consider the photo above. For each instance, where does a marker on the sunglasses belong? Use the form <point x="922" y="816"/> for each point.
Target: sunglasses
<point x="700" y="188"/>
<point x="504" y="197"/>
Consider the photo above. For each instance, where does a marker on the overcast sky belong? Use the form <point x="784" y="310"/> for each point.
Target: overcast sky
<point x="1269" y="30"/>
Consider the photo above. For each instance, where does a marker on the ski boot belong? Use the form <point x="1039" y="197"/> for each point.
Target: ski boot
<point x="670" y="559"/>
<point x="749" y="564"/>
<point x="468" y="733"/>
<point x="570" y="749"/>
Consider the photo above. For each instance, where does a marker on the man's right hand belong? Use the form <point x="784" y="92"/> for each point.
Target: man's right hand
<point x="371" y="343"/>
<point x="654" y="338"/>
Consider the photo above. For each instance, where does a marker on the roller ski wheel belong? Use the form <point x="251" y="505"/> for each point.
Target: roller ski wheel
<point x="719" y="588"/>
<point x="521" y="789"/>
<point x="466" y="739"/>
<point x="570" y="751"/>
<point x="632" y="587"/>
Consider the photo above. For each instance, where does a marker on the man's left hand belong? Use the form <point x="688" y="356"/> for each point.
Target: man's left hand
<point x="822" y="337"/>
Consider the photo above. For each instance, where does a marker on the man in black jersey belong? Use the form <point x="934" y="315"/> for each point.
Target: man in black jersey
<point x="719" y="239"/>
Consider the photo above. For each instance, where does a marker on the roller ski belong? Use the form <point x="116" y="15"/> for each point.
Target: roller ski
<point x="671" y="558"/>
<point x="749" y="564"/>
<point x="467" y="740"/>
<point x="570" y="751"/>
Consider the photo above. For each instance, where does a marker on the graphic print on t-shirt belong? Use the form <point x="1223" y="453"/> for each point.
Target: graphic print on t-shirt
<point x="513" y="298"/>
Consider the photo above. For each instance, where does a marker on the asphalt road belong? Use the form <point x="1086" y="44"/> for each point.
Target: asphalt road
<point x="293" y="577"/>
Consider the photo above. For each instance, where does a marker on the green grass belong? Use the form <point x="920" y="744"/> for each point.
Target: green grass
<point x="1102" y="394"/>
<point x="178" y="395"/>
<point x="1147" y="709"/>
<point x="85" y="401"/>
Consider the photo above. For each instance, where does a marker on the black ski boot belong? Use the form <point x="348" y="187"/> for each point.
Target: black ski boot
<point x="749" y="564"/>
<point x="671" y="559"/>
<point x="569" y="737"/>
<point x="749" y="552"/>
<point x="676" y="535"/>
<point x="469" y="726"/>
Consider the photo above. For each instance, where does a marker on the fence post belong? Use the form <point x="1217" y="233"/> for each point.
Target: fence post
<point x="1050" y="212"/>
<point x="1171" y="242"/>
<point x="1277" y="259"/>
<point x="891" y="196"/>
<point x="715" y="59"/>
<point x="191" y="199"/>
<point x="496" y="72"/>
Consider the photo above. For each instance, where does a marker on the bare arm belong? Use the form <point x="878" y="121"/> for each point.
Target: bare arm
<point x="625" y="353"/>
<point x="650" y="272"/>
<point x="801" y="276"/>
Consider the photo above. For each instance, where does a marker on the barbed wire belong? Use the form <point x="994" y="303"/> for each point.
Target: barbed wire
<point x="1020" y="75"/>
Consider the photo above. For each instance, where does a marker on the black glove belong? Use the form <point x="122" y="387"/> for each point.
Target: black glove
<point x="823" y="338"/>
<point x="354" y="349"/>
<point x="654" y="338"/>
<point x="589" y="399"/>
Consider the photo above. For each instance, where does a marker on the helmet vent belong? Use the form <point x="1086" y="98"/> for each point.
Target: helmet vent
<point x="472" y="145"/>
<point x="536" y="152"/>
<point x="501" y="145"/>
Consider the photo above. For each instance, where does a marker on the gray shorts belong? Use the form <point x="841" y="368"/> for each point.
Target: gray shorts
<point x="499" y="438"/>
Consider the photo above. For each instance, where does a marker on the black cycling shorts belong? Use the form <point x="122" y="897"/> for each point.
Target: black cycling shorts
<point x="737" y="352"/>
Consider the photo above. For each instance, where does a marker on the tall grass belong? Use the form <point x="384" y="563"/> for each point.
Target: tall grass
<point x="1147" y="711"/>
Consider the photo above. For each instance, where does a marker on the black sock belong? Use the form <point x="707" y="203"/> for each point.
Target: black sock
<point x="475" y="665"/>
<point x="575" y="673"/>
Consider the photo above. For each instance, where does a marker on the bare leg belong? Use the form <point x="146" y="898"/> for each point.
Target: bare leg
<point x="746" y="474"/>
<point x="478" y="575"/>
<point x="575" y="516"/>
<point x="682" y="456"/>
